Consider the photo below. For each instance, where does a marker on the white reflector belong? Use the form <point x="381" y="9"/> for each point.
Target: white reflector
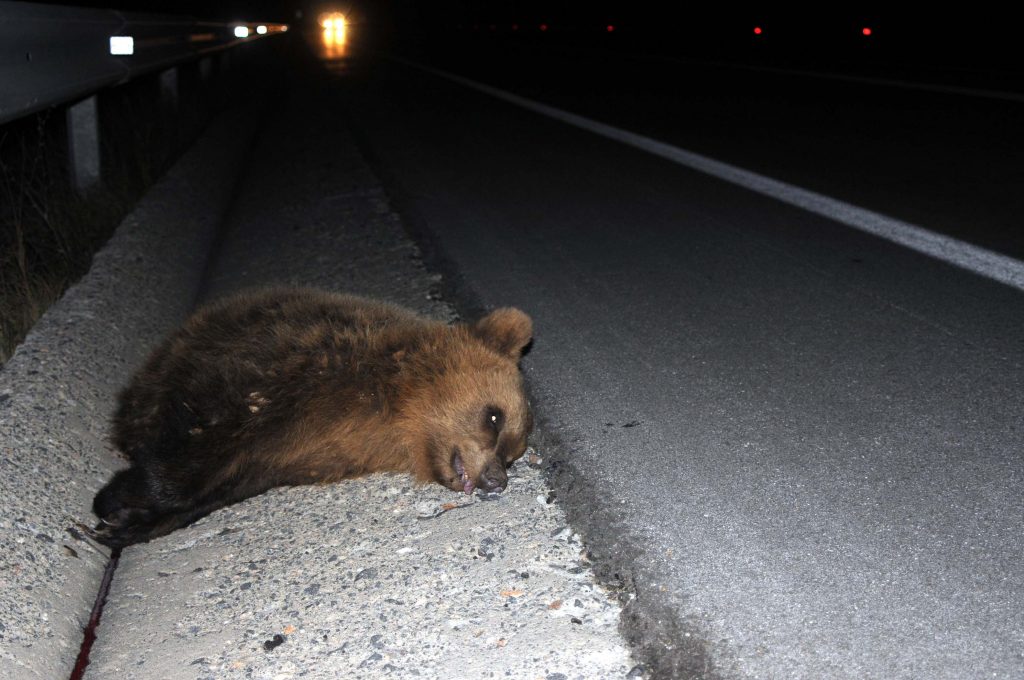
<point x="122" y="44"/>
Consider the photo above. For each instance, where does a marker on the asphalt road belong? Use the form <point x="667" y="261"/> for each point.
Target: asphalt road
<point x="801" y="444"/>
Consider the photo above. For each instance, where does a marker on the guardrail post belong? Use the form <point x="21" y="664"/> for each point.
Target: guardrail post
<point x="83" y="144"/>
<point x="206" y="66"/>
<point x="169" y="87"/>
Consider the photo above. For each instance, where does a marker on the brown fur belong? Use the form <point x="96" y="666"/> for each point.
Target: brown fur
<point x="298" y="386"/>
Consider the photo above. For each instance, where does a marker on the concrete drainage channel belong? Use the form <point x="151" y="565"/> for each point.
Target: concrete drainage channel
<point x="368" y="578"/>
<point x="57" y="391"/>
<point x="89" y="634"/>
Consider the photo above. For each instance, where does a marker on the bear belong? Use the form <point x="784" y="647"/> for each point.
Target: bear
<point x="285" y="386"/>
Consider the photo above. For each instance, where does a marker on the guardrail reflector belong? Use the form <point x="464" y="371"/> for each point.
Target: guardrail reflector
<point x="122" y="44"/>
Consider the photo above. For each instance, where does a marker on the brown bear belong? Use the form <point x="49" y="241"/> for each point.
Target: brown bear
<point x="288" y="386"/>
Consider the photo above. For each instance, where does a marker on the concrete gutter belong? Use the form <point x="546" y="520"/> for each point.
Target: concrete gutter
<point x="58" y="389"/>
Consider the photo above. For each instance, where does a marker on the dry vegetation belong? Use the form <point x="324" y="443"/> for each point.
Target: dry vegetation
<point x="48" y="233"/>
<point x="48" y="230"/>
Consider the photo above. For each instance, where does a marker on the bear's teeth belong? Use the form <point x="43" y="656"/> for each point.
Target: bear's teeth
<point x="467" y="482"/>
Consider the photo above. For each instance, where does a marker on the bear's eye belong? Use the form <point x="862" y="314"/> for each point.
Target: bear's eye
<point x="494" y="418"/>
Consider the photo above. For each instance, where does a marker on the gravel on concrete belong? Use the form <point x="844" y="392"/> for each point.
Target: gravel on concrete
<point x="375" y="577"/>
<point x="57" y="391"/>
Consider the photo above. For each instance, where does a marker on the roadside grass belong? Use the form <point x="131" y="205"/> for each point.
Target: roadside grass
<point x="48" y="232"/>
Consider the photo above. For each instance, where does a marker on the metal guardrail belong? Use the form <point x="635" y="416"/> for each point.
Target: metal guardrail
<point x="53" y="54"/>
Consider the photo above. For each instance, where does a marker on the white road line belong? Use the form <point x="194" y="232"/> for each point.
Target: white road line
<point x="1003" y="95"/>
<point x="979" y="260"/>
<point x="887" y="82"/>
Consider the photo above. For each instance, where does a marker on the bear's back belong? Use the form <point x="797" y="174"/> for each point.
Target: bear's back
<point x="251" y="362"/>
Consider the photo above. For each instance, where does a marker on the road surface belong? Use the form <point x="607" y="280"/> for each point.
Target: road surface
<point x="799" y="442"/>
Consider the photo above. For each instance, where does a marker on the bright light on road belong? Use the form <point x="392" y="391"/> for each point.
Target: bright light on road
<point x="333" y="21"/>
<point x="334" y="42"/>
<point x="241" y="31"/>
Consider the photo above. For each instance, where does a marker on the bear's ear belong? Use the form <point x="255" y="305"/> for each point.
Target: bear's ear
<point x="508" y="330"/>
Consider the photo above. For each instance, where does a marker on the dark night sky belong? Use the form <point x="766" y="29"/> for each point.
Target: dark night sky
<point x="637" y="13"/>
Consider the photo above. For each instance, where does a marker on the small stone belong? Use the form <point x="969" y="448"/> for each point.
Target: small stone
<point x="428" y="510"/>
<point x="274" y="642"/>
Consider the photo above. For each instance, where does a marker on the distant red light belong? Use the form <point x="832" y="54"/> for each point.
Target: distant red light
<point x="757" y="30"/>
<point x="515" y="27"/>
<point x="543" y="27"/>
<point x="610" y="28"/>
<point x="866" y="30"/>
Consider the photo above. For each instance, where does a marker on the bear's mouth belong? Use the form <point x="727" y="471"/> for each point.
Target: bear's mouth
<point x="460" y="469"/>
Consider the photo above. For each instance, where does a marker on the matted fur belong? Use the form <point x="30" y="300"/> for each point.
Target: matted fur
<point x="292" y="386"/>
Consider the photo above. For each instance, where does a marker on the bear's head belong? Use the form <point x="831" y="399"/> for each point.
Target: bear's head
<point x="472" y="411"/>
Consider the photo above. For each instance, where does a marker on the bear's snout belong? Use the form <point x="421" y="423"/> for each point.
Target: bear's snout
<point x="493" y="477"/>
